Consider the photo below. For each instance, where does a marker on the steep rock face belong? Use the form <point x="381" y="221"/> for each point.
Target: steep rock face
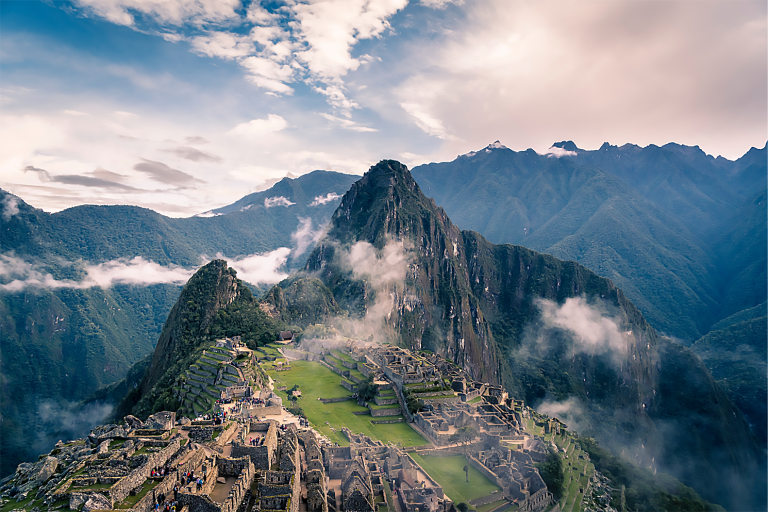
<point x="433" y="307"/>
<point x="212" y="288"/>
<point x="483" y="306"/>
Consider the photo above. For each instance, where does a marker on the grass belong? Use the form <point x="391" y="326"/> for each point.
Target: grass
<point x="116" y="443"/>
<point x="340" y="355"/>
<point x="388" y="406"/>
<point x="130" y="501"/>
<point x="490" y="506"/>
<point x="448" y="472"/>
<point x="28" y="501"/>
<point x="317" y="381"/>
<point x="475" y="400"/>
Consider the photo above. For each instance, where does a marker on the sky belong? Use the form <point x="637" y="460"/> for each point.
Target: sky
<point x="182" y="106"/>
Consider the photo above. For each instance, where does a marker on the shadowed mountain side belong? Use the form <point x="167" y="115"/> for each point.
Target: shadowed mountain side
<point x="740" y="245"/>
<point x="580" y="213"/>
<point x="736" y="356"/>
<point x="489" y="308"/>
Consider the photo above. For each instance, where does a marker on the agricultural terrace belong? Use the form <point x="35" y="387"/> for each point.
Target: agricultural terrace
<point x="316" y="381"/>
<point x="576" y="471"/>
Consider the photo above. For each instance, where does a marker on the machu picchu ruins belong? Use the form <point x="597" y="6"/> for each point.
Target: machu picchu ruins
<point x="235" y="446"/>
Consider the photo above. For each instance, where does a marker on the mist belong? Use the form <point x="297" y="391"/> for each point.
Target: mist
<point x="63" y="420"/>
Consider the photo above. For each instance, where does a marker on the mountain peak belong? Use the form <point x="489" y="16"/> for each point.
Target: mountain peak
<point x="567" y="145"/>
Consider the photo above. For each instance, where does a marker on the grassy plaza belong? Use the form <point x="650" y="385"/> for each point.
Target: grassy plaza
<point x="317" y="381"/>
<point x="449" y="473"/>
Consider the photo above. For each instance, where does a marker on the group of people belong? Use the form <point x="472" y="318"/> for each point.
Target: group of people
<point x="170" y="506"/>
<point x="159" y="472"/>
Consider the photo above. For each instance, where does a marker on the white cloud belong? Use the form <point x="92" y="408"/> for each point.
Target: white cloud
<point x="21" y="274"/>
<point x="261" y="268"/>
<point x="593" y="332"/>
<point x="74" y="113"/>
<point x="557" y="152"/>
<point x="259" y="127"/>
<point x="426" y="122"/>
<point x="269" y="202"/>
<point x="378" y="268"/>
<point x="330" y="196"/>
<point x="305" y="236"/>
<point x="439" y="4"/>
<point x="10" y="207"/>
<point x="173" y="12"/>
<point x="225" y="45"/>
<point x="348" y="124"/>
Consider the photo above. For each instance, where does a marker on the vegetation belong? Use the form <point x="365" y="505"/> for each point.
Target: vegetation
<point x="551" y="471"/>
<point x="449" y="473"/>
<point x="317" y="381"/>
<point x="645" y="492"/>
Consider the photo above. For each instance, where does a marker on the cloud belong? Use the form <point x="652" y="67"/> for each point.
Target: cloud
<point x="160" y="172"/>
<point x="193" y="154"/>
<point x="593" y="333"/>
<point x="348" y="124"/>
<point x="262" y="268"/>
<point x="224" y="45"/>
<point x="330" y="196"/>
<point x="269" y="202"/>
<point x="379" y="269"/>
<point x="166" y="12"/>
<point x="439" y="4"/>
<point x="10" y="206"/>
<point x="557" y="152"/>
<point x="195" y="140"/>
<point x="137" y="271"/>
<point x="304" y="236"/>
<point x="74" y="113"/>
<point x="66" y="420"/>
<point x="426" y="122"/>
<point x="97" y="178"/>
<point x="259" y="127"/>
<point x="570" y="411"/>
<point x="20" y="274"/>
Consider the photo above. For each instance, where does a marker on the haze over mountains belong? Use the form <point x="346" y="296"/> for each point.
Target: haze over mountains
<point x="686" y="252"/>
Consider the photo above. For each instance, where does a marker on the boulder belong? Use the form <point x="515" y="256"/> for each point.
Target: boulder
<point x="97" y="502"/>
<point x="186" y="421"/>
<point x="133" y="422"/>
<point x="221" y="480"/>
<point x="163" y="420"/>
<point x="40" y="473"/>
<point x="76" y="499"/>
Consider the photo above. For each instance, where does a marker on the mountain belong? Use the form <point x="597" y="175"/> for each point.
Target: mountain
<point x="553" y="332"/>
<point x="214" y="303"/>
<point x="740" y="248"/>
<point x="735" y="353"/>
<point x="62" y="340"/>
<point x="578" y="212"/>
<point x="683" y="180"/>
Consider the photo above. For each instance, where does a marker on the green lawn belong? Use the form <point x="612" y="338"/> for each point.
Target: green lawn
<point x="491" y="506"/>
<point x="448" y="472"/>
<point x="340" y="355"/>
<point x="317" y="381"/>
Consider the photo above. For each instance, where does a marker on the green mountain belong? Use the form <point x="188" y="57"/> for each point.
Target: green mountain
<point x="213" y="304"/>
<point x="60" y="344"/>
<point x="740" y="248"/>
<point x="735" y="354"/>
<point x="578" y="212"/>
<point x="553" y="332"/>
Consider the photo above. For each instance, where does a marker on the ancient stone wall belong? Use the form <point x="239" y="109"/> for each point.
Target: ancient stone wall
<point x="147" y="503"/>
<point x="385" y="412"/>
<point x="241" y="486"/>
<point x="381" y="422"/>
<point x="198" y="503"/>
<point x="120" y="490"/>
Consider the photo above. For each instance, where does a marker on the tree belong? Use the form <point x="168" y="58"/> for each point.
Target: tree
<point x="464" y="435"/>
<point x="462" y="507"/>
<point x="366" y="390"/>
<point x="551" y="471"/>
<point x="466" y="471"/>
